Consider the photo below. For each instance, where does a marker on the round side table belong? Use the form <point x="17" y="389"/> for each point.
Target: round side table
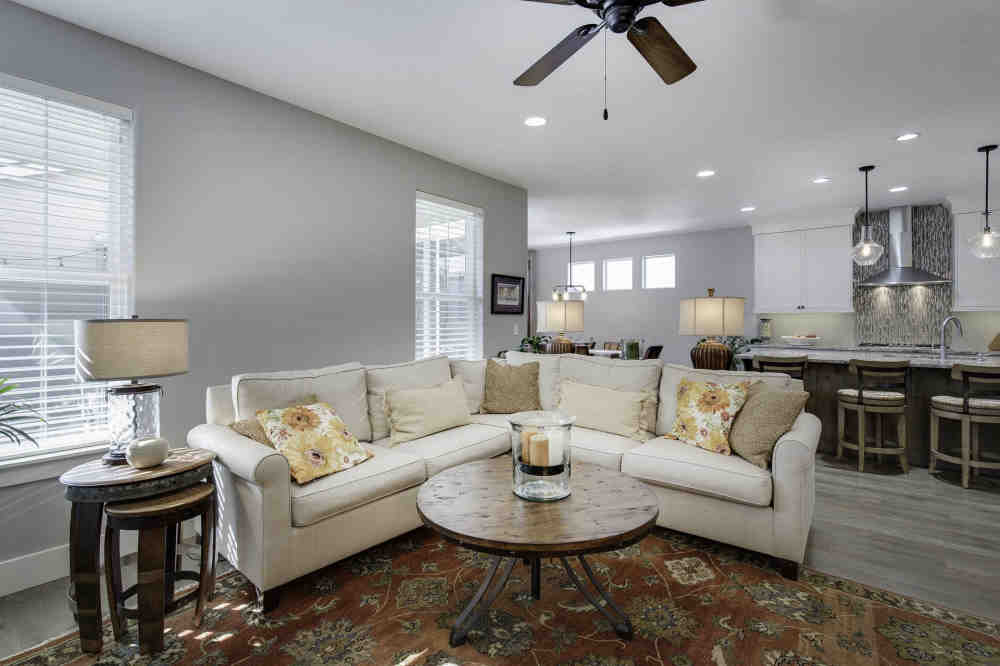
<point x="89" y="486"/>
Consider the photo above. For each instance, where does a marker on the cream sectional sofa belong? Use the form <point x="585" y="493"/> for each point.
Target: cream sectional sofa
<point x="274" y="530"/>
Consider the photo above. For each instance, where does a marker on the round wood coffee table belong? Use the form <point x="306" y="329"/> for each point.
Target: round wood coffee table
<point x="474" y="506"/>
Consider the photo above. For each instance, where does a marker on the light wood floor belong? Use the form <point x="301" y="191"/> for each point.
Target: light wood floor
<point x="916" y="535"/>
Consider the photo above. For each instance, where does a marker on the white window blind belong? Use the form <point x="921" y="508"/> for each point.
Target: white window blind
<point x="449" y="278"/>
<point x="66" y="251"/>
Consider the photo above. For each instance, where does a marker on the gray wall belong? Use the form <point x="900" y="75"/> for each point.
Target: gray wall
<point x="720" y="259"/>
<point x="285" y="237"/>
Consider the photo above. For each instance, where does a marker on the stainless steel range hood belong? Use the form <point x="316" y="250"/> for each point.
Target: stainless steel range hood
<point x="901" y="271"/>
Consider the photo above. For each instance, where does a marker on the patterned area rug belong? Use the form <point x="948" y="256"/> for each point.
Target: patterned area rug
<point x="692" y="601"/>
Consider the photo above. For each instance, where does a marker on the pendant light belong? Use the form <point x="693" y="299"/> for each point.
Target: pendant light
<point x="867" y="252"/>
<point x="986" y="244"/>
<point x="569" y="292"/>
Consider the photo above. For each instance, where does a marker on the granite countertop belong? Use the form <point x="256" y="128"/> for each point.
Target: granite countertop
<point x="918" y="357"/>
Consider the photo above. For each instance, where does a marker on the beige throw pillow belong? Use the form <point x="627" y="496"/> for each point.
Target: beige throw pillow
<point x="511" y="388"/>
<point x="416" y="412"/>
<point x="766" y="416"/>
<point x="604" y="409"/>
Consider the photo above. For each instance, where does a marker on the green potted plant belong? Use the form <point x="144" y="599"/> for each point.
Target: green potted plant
<point x="13" y="413"/>
<point x="535" y="343"/>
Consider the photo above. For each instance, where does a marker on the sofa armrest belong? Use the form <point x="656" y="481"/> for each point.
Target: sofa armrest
<point x="793" y="470"/>
<point x="247" y="459"/>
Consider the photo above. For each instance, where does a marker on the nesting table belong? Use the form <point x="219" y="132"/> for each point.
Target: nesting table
<point x="89" y="487"/>
<point x="474" y="506"/>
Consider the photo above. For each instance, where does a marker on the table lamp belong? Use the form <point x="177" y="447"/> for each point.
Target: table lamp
<point x="564" y="317"/>
<point x="130" y="349"/>
<point x="712" y="316"/>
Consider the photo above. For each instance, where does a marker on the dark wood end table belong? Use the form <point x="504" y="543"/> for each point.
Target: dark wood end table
<point x="89" y="486"/>
<point x="474" y="506"/>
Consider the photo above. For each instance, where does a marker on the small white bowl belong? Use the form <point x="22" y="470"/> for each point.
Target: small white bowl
<point x="149" y="452"/>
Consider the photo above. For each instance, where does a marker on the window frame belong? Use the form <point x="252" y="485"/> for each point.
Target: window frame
<point x="593" y="271"/>
<point x="631" y="273"/>
<point x="120" y="282"/>
<point x="661" y="255"/>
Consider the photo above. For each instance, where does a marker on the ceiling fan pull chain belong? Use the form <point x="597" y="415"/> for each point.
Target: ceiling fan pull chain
<point x="605" y="74"/>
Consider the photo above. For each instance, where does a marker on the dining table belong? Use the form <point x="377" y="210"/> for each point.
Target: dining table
<point x="609" y="353"/>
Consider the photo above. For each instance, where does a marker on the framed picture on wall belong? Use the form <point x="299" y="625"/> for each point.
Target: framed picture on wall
<point x="508" y="294"/>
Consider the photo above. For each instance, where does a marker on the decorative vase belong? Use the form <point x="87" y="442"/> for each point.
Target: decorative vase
<point x="541" y="454"/>
<point x="148" y="452"/>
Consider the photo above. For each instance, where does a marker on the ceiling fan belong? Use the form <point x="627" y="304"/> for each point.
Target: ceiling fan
<point x="647" y="35"/>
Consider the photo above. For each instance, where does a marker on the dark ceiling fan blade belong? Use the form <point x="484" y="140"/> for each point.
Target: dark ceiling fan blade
<point x="559" y="54"/>
<point x="660" y="50"/>
<point x="671" y="3"/>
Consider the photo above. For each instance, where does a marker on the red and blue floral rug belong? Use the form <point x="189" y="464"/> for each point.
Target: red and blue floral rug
<point x="691" y="601"/>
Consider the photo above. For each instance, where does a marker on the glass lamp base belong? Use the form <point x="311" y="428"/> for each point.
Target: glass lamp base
<point x="133" y="413"/>
<point x="114" y="457"/>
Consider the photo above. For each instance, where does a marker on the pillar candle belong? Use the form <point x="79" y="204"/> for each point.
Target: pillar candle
<point x="526" y="445"/>
<point x="540" y="450"/>
<point x="557" y="442"/>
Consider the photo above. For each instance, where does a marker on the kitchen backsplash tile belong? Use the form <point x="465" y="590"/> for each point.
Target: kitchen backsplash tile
<point x="906" y="315"/>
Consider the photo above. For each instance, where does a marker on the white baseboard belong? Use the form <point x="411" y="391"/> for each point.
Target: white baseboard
<point x="21" y="573"/>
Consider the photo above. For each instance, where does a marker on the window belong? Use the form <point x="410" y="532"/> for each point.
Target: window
<point x="617" y="274"/>
<point x="659" y="272"/>
<point x="66" y="251"/>
<point x="582" y="272"/>
<point x="449" y="280"/>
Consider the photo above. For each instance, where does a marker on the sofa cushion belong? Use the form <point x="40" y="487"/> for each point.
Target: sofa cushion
<point x="473" y="376"/>
<point x="495" y="420"/>
<point x="548" y="375"/>
<point x="418" y="412"/>
<point x="672" y="375"/>
<point x="600" y="408"/>
<point x="386" y="473"/>
<point x="640" y="376"/>
<point x="340" y="386"/>
<point x="413" y="374"/>
<point x="673" y="464"/>
<point x="600" y="448"/>
<point x="510" y="388"/>
<point x="458" y="445"/>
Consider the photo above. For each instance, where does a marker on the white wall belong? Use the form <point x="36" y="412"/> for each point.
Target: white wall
<point x="720" y="259"/>
<point x="285" y="237"/>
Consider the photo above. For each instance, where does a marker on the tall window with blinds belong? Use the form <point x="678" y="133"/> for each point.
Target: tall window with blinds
<point x="66" y="252"/>
<point x="449" y="278"/>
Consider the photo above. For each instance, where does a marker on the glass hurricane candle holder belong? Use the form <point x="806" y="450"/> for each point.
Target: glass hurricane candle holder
<point x="540" y="442"/>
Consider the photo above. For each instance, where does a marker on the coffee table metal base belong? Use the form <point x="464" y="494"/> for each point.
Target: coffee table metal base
<point x="497" y="577"/>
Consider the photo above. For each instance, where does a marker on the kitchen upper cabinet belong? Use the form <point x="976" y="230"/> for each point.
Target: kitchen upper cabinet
<point x="803" y="271"/>
<point x="976" y="280"/>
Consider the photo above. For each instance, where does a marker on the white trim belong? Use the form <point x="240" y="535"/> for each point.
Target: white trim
<point x="444" y="201"/>
<point x="27" y="571"/>
<point x="65" y="96"/>
<point x="46" y="465"/>
<point x="801" y="221"/>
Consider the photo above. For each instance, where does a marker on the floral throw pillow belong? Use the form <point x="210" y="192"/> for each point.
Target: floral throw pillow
<point x="313" y="439"/>
<point x="705" y="413"/>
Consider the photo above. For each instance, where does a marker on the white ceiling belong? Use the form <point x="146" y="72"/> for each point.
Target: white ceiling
<point x="785" y="90"/>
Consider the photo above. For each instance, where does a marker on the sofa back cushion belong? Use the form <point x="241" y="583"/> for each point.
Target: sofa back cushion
<point x="417" y="412"/>
<point x="672" y="375"/>
<point x="340" y="386"/>
<point x="605" y="409"/>
<point x="635" y="376"/>
<point x="511" y="388"/>
<point x="548" y="375"/>
<point x="424" y="373"/>
<point x="473" y="376"/>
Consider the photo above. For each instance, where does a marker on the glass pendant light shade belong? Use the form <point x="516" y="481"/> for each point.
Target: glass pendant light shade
<point x="986" y="243"/>
<point x="569" y="292"/>
<point x="867" y="252"/>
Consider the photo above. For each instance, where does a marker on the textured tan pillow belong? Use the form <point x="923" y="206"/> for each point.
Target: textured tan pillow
<point x="416" y="412"/>
<point x="602" y="408"/>
<point x="254" y="430"/>
<point x="511" y="388"/>
<point x="766" y="416"/>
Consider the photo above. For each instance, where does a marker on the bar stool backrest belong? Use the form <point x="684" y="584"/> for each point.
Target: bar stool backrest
<point x="977" y="382"/>
<point x="794" y="366"/>
<point x="881" y="375"/>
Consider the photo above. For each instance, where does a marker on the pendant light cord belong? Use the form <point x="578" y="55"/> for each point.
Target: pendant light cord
<point x="605" y="74"/>
<point x="987" y="211"/>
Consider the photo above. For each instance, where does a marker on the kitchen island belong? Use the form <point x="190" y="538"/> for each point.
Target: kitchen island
<point x="931" y="375"/>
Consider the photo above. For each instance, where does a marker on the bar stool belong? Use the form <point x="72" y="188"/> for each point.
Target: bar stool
<point x="156" y="519"/>
<point x="976" y="407"/>
<point x="882" y="389"/>
<point x="794" y="366"/>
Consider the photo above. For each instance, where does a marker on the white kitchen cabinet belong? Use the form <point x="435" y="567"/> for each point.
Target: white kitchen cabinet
<point x="976" y="281"/>
<point x="803" y="270"/>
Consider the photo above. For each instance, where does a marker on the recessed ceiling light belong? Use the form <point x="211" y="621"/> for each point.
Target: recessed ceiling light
<point x="705" y="173"/>
<point x="535" y="121"/>
<point x="907" y="136"/>
<point x="821" y="180"/>
<point x="748" y="209"/>
<point x="899" y="188"/>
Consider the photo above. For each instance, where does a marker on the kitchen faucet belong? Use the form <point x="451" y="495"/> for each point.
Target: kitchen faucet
<point x="944" y="329"/>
